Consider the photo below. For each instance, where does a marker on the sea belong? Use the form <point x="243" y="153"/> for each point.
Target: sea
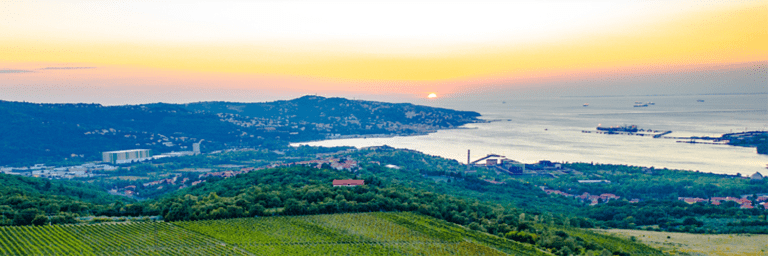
<point x="551" y="128"/>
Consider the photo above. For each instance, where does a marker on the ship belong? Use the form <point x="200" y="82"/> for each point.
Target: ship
<point x="623" y="128"/>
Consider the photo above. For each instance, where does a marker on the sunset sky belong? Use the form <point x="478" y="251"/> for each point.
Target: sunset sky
<point x="115" y="52"/>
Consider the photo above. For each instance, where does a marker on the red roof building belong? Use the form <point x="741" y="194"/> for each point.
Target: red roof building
<point x="348" y="183"/>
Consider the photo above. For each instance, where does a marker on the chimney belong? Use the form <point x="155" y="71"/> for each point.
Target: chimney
<point x="468" y="161"/>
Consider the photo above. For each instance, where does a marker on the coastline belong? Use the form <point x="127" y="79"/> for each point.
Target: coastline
<point x="382" y="135"/>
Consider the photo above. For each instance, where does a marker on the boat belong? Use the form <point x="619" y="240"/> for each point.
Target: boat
<point x="586" y="104"/>
<point x="651" y="103"/>
<point x="623" y="128"/>
<point x="699" y="100"/>
<point x="640" y="105"/>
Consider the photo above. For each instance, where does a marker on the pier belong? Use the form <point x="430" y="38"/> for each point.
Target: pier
<point x="700" y="142"/>
<point x="659" y="135"/>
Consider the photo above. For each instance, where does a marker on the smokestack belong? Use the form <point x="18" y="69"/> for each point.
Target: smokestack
<point x="468" y="161"/>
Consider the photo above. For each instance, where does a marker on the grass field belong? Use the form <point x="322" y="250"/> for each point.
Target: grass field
<point x="333" y="234"/>
<point x="699" y="244"/>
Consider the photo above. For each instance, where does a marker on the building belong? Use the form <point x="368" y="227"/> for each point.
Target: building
<point x="594" y="181"/>
<point x="757" y="176"/>
<point x="126" y="156"/>
<point x="196" y="147"/>
<point x="348" y="183"/>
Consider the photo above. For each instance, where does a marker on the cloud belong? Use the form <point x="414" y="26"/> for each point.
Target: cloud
<point x="5" y="71"/>
<point x="65" y="68"/>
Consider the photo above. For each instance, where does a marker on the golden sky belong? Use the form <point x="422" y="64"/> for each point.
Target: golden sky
<point x="374" y="47"/>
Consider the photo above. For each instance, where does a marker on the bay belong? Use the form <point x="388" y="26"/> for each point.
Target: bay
<point x="533" y="129"/>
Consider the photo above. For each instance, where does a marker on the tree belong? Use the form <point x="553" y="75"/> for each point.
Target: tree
<point x="26" y="216"/>
<point x="40" y="220"/>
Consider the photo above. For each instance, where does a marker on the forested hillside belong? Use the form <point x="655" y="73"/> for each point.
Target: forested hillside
<point x="25" y="201"/>
<point x="308" y="191"/>
<point x="340" y="115"/>
<point x="38" y="133"/>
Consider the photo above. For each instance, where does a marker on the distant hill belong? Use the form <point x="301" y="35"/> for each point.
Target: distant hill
<point x="36" y="133"/>
<point x="344" y="114"/>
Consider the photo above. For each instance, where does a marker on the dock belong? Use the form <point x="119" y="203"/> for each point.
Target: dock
<point x="630" y="133"/>
<point x="661" y="134"/>
<point x="699" y="142"/>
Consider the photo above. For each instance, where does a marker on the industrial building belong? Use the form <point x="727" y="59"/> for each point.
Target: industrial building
<point x="126" y="156"/>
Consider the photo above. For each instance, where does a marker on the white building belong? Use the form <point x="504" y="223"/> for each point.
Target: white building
<point x="196" y="147"/>
<point x="126" y="156"/>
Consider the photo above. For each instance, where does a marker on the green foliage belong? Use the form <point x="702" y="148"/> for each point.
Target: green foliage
<point x="416" y="166"/>
<point x="598" y="242"/>
<point x="307" y="191"/>
<point x="521" y="236"/>
<point x="658" y="190"/>
<point x="30" y="201"/>
<point x="649" y="184"/>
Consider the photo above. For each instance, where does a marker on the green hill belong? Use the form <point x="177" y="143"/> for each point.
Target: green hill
<point x="25" y="201"/>
<point x="356" y="234"/>
<point x="377" y="233"/>
<point x="303" y="191"/>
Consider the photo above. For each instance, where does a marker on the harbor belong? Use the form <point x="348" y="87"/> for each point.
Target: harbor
<point x="725" y="139"/>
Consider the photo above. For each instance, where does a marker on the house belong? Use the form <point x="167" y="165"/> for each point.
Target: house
<point x="756" y="176"/>
<point x="348" y="183"/>
<point x="691" y="200"/>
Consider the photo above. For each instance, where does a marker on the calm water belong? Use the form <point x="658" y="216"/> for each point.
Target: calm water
<point x="537" y="129"/>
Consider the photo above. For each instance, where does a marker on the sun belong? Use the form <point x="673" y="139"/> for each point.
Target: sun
<point x="432" y="96"/>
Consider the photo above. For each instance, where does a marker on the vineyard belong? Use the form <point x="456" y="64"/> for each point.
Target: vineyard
<point x="356" y="234"/>
<point x="155" y="238"/>
<point x="335" y="234"/>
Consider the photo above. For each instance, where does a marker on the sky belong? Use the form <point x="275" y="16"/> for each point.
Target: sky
<point x="132" y="52"/>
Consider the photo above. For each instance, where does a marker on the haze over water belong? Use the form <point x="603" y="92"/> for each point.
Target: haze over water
<point x="530" y="130"/>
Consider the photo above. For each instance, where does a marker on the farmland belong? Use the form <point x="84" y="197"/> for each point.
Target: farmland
<point x="152" y="238"/>
<point x="699" y="244"/>
<point x="354" y="234"/>
<point x="344" y="234"/>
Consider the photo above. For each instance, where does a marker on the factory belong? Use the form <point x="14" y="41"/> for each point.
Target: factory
<point x="126" y="156"/>
<point x="498" y="162"/>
